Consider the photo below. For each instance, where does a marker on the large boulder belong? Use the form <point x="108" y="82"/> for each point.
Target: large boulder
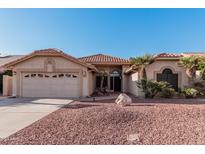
<point x="123" y="100"/>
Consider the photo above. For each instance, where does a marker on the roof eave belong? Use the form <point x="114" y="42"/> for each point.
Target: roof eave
<point x="167" y="58"/>
<point x="108" y="63"/>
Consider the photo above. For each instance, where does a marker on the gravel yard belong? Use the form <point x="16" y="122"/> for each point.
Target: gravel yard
<point x="144" y="122"/>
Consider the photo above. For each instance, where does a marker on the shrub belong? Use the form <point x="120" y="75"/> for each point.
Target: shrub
<point x="191" y="93"/>
<point x="167" y="92"/>
<point x="151" y="88"/>
<point x="198" y="84"/>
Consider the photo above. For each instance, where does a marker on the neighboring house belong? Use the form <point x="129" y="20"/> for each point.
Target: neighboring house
<point x="52" y="73"/>
<point x="3" y="61"/>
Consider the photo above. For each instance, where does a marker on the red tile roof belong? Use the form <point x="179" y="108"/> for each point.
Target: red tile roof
<point x="103" y="59"/>
<point x="50" y="52"/>
<point x="168" y="55"/>
<point x="193" y="53"/>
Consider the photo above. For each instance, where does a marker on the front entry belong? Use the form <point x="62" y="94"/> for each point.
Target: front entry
<point x="115" y="81"/>
<point x="168" y="76"/>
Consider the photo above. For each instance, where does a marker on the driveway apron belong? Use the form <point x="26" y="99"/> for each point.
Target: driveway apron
<point x="18" y="113"/>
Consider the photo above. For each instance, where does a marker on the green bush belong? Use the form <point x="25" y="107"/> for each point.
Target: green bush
<point x="198" y="84"/>
<point x="191" y="93"/>
<point x="151" y="88"/>
<point x="167" y="92"/>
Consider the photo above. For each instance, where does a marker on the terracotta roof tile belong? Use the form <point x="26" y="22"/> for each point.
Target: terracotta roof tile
<point x="193" y="53"/>
<point x="48" y="51"/>
<point x="101" y="58"/>
<point x="168" y="55"/>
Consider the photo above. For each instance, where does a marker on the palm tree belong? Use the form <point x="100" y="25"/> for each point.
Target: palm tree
<point x="190" y="64"/>
<point x="102" y="74"/>
<point x="142" y="62"/>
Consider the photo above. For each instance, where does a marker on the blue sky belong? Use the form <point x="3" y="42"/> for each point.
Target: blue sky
<point x="118" y="32"/>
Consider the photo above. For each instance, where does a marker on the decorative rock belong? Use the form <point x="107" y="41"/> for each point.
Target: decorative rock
<point x="123" y="100"/>
<point x="133" y="138"/>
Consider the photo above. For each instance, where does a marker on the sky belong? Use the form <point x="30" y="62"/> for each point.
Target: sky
<point x="119" y="32"/>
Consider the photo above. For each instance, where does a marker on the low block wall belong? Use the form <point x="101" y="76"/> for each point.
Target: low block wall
<point x="7" y="85"/>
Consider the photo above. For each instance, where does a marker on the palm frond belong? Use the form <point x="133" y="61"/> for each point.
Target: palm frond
<point x="142" y="60"/>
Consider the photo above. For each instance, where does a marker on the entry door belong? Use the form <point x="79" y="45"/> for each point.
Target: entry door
<point x="115" y="83"/>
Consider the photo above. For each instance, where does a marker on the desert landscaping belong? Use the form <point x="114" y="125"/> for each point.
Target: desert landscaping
<point x="145" y="121"/>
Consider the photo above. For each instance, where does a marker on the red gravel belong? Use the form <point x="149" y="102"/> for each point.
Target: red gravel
<point x="181" y="122"/>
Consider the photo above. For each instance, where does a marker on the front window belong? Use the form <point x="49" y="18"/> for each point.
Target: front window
<point x="115" y="80"/>
<point x="168" y="76"/>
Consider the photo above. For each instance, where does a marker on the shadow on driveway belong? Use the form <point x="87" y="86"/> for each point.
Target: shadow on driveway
<point x="15" y="102"/>
<point x="79" y="106"/>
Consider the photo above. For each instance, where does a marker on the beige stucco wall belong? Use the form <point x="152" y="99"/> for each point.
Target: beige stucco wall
<point x="132" y="86"/>
<point x="159" y="66"/>
<point x="7" y="85"/>
<point x="37" y="64"/>
<point x="125" y="78"/>
<point x="86" y="90"/>
<point x="91" y="83"/>
<point x="14" y="84"/>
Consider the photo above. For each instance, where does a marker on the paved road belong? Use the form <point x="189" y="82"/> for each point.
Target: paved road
<point x="17" y="113"/>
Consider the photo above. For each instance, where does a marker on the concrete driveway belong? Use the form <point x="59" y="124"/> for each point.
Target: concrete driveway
<point x="17" y="113"/>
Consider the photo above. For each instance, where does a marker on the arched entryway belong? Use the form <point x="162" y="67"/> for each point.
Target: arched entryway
<point x="115" y="80"/>
<point x="167" y="75"/>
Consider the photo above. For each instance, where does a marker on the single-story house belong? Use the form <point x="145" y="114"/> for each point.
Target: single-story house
<point x="53" y="73"/>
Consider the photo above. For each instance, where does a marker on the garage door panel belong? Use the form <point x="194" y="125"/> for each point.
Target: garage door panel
<point x="50" y="85"/>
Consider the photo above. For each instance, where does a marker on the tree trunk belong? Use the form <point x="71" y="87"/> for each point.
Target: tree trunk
<point x="101" y="83"/>
<point x="191" y="73"/>
<point x="143" y="74"/>
<point x="194" y="73"/>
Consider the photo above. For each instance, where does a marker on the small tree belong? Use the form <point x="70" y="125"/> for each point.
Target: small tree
<point x="142" y="63"/>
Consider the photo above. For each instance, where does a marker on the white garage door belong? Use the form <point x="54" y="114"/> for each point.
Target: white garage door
<point x="50" y="85"/>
